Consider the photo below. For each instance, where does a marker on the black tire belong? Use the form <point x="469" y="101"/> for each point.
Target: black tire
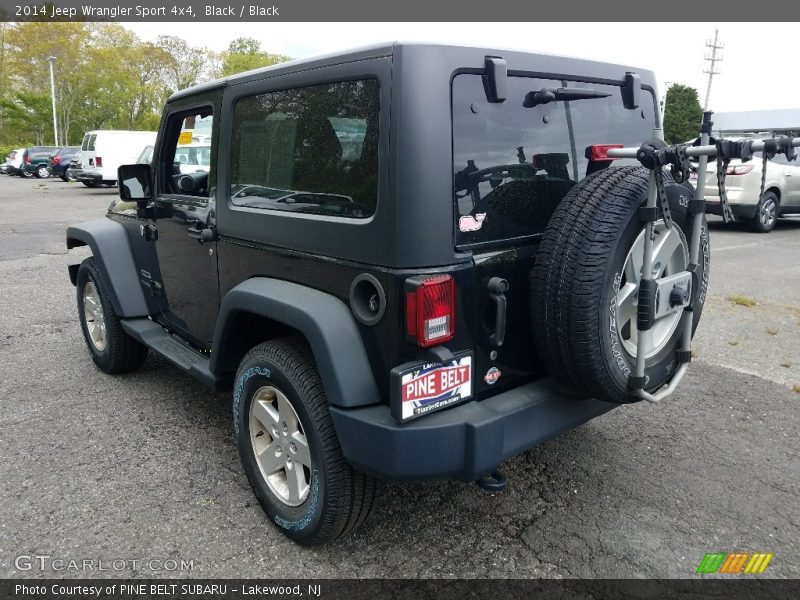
<point x="89" y="184"/>
<point x="64" y="178"/>
<point x="121" y="353"/>
<point x="26" y="174"/>
<point x="766" y="213"/>
<point x="339" y="498"/>
<point x="578" y="273"/>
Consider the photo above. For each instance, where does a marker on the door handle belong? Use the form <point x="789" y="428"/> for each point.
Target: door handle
<point x="497" y="292"/>
<point x="203" y="235"/>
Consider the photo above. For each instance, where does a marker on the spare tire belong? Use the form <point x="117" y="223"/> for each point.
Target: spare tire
<point x="584" y="284"/>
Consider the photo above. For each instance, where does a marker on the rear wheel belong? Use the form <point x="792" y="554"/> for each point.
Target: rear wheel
<point x="89" y="184"/>
<point x="289" y="449"/>
<point x="27" y="174"/>
<point x="585" y="285"/>
<point x="42" y="172"/>
<point x="766" y="213"/>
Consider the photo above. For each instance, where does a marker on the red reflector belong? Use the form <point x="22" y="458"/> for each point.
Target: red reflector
<point x="739" y="170"/>
<point x="98" y="162"/>
<point x="430" y="310"/>
<point x="600" y="151"/>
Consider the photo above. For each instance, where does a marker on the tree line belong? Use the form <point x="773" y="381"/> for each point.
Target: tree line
<point x="105" y="76"/>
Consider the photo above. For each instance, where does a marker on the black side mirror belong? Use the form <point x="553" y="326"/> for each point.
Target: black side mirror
<point x="136" y="183"/>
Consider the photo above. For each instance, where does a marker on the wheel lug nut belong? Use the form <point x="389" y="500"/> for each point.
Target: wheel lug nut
<point x="293" y="448"/>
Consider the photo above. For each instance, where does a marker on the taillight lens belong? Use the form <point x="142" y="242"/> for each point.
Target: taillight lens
<point x="27" y="160"/>
<point x="98" y="162"/>
<point x="600" y="151"/>
<point x="739" y="170"/>
<point x="430" y="309"/>
<point x="56" y="160"/>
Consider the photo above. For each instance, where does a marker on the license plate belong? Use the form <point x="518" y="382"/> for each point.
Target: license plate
<point x="419" y="389"/>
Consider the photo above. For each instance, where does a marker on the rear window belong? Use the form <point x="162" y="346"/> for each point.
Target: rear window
<point x="512" y="165"/>
<point x="308" y="150"/>
<point x="88" y="142"/>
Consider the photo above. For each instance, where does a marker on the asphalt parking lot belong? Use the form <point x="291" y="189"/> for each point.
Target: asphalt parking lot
<point x="143" y="466"/>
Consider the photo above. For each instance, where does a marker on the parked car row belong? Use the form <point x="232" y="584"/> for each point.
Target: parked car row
<point x="743" y="188"/>
<point x="94" y="162"/>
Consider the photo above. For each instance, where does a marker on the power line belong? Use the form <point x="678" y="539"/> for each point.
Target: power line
<point x="713" y="60"/>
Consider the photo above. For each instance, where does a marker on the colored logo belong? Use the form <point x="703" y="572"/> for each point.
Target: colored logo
<point x="492" y="375"/>
<point x="734" y="563"/>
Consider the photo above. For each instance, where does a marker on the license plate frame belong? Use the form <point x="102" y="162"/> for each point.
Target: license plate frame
<point x="419" y="389"/>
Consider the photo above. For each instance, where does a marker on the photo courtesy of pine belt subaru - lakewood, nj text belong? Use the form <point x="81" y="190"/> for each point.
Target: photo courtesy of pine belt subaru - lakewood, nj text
<point x="403" y="262"/>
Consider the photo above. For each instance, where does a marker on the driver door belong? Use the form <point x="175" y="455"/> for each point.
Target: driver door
<point x="185" y="269"/>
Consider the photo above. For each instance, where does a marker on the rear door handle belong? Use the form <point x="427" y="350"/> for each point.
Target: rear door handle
<point x="497" y="292"/>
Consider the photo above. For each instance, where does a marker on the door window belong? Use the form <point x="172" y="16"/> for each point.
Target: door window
<point x="186" y="159"/>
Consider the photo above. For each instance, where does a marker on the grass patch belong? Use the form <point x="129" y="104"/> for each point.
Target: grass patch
<point x="796" y="389"/>
<point x="741" y="300"/>
<point x="786" y="364"/>
<point x="772" y="331"/>
<point x="734" y="342"/>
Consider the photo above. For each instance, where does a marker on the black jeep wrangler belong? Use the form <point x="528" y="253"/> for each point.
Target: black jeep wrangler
<point x="406" y="262"/>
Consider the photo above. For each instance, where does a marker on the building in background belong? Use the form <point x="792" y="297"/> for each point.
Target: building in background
<point x="774" y="122"/>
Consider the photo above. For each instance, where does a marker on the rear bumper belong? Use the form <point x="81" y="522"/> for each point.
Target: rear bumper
<point x="88" y="176"/>
<point x="465" y="442"/>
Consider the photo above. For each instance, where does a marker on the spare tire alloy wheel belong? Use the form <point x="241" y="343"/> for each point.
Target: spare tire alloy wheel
<point x="585" y="281"/>
<point x="670" y="256"/>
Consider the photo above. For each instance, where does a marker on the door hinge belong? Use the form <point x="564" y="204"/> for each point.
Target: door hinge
<point x="149" y="232"/>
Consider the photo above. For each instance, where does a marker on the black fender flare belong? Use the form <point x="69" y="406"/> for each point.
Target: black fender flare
<point x="111" y="248"/>
<point x="324" y="320"/>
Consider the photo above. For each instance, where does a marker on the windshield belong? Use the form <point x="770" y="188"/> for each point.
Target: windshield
<point x="512" y="165"/>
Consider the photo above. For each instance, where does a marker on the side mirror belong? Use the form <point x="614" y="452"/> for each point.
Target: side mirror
<point x="136" y="183"/>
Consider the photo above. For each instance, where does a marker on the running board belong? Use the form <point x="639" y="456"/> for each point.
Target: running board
<point x="189" y="360"/>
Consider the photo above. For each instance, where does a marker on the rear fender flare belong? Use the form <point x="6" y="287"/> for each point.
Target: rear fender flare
<point x="324" y="320"/>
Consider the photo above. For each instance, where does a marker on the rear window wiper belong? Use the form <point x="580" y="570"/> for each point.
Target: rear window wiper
<point x="547" y="95"/>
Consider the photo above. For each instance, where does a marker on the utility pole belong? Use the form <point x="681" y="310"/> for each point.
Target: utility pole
<point x="52" y="61"/>
<point x="713" y="60"/>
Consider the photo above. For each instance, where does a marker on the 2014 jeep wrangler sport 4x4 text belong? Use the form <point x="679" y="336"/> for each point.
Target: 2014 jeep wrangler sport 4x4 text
<point x="405" y="262"/>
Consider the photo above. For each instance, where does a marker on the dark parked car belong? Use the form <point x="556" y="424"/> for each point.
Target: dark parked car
<point x="36" y="161"/>
<point x="59" y="162"/>
<point x="404" y="262"/>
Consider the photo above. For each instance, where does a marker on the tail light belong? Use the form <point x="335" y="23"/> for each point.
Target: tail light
<point x="98" y="162"/>
<point x="56" y="160"/>
<point x="600" y="151"/>
<point x="739" y="170"/>
<point x="430" y="309"/>
<point x="27" y="160"/>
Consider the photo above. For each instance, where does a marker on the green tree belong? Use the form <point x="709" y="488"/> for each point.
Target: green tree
<point x="682" y="114"/>
<point x="244" y="54"/>
<point x="185" y="64"/>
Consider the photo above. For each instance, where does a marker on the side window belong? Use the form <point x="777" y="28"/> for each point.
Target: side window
<point x="310" y="150"/>
<point x="185" y="162"/>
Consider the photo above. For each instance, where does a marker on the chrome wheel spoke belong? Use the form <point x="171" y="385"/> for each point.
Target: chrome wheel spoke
<point x="288" y="418"/>
<point x="298" y="449"/>
<point x="265" y="413"/>
<point x="296" y="482"/>
<point x="271" y="458"/>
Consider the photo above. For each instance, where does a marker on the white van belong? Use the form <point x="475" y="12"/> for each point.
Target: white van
<point x="103" y="151"/>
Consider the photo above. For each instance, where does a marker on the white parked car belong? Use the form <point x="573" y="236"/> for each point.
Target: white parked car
<point x="743" y="186"/>
<point x="103" y="151"/>
<point x="14" y="161"/>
